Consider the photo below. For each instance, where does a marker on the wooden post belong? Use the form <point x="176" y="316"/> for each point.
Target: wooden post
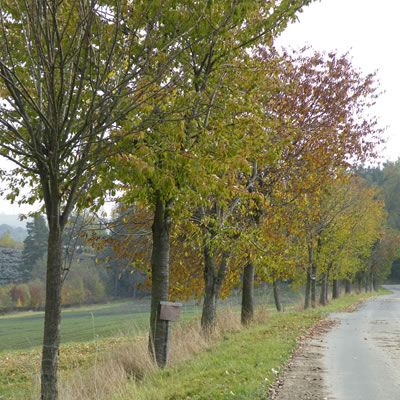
<point x="168" y="312"/>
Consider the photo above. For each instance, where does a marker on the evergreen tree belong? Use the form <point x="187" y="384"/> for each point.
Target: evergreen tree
<point x="127" y="245"/>
<point x="35" y="244"/>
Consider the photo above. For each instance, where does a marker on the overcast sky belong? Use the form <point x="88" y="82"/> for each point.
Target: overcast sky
<point x="369" y="30"/>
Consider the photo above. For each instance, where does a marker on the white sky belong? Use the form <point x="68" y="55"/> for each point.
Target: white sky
<point x="369" y="30"/>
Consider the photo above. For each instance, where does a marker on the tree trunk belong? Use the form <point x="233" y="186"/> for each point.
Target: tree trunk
<point x="159" y="330"/>
<point x="52" y="320"/>
<point x="375" y="283"/>
<point x="214" y="276"/>
<point x="248" y="293"/>
<point x="347" y="286"/>
<point x="134" y="285"/>
<point x="335" y="289"/>
<point x="313" y="286"/>
<point x="116" y="282"/>
<point x="322" y="297"/>
<point x="366" y="282"/>
<point x="307" y="300"/>
<point x="277" y="300"/>
<point x="327" y="284"/>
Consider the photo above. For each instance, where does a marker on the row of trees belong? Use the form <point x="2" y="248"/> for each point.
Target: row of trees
<point x="232" y="153"/>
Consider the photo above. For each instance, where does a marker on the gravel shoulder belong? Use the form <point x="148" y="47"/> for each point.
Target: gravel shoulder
<point x="302" y="378"/>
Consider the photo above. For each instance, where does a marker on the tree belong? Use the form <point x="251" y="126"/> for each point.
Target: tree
<point x="385" y="251"/>
<point x="168" y="171"/>
<point x="35" y="244"/>
<point x="7" y="241"/>
<point x="70" y="71"/>
<point x="391" y="191"/>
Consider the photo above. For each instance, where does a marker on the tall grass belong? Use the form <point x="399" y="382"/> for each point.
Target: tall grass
<point x="132" y="361"/>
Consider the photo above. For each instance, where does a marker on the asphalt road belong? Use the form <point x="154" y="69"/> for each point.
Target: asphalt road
<point x="362" y="355"/>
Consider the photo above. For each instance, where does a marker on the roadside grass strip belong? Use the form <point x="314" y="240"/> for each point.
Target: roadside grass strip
<point x="242" y="365"/>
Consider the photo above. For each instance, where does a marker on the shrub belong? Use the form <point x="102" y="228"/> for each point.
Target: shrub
<point x="95" y="288"/>
<point x="20" y="295"/>
<point x="36" y="295"/>
<point x="5" y="299"/>
<point x="73" y="292"/>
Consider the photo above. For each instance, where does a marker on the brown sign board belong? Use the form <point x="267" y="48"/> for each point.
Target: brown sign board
<point x="169" y="311"/>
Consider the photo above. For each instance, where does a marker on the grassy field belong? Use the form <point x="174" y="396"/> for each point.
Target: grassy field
<point x="23" y="331"/>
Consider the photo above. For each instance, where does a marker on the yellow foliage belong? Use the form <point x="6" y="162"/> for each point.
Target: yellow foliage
<point x="7" y="241"/>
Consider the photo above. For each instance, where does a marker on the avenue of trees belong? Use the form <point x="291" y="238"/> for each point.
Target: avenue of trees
<point x="232" y="162"/>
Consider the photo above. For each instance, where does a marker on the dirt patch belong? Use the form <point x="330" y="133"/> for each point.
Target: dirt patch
<point x="302" y="378"/>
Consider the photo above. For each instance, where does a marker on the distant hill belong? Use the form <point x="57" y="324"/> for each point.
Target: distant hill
<point x="18" y="234"/>
<point x="14" y="226"/>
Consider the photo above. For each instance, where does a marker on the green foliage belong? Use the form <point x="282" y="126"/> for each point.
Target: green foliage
<point x="6" y="302"/>
<point x="391" y="192"/>
<point x="386" y="249"/>
<point x="72" y="293"/>
<point x="387" y="179"/>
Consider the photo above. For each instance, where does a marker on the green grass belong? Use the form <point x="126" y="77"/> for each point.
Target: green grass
<point x="24" y="331"/>
<point x="19" y="332"/>
<point x="241" y="366"/>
